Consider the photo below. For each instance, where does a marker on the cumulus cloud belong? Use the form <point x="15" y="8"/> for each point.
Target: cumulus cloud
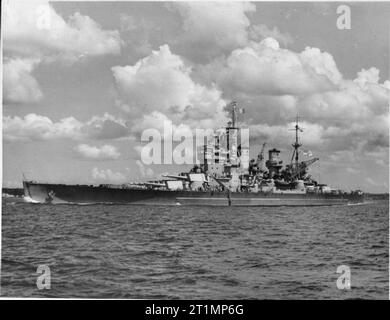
<point x="160" y="122"/>
<point x="274" y="84"/>
<point x="211" y="28"/>
<point x="265" y="68"/>
<point x="161" y="82"/>
<point x="334" y="121"/>
<point x="37" y="127"/>
<point x="105" y="127"/>
<point x="105" y="152"/>
<point x="259" y="32"/>
<point x="108" y="176"/>
<point x="358" y="110"/>
<point x="35" y="29"/>
<point x="34" y="33"/>
<point x="19" y="84"/>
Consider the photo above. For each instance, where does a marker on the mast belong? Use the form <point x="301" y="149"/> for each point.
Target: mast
<point x="296" y="145"/>
<point x="231" y="126"/>
<point x="234" y="114"/>
<point x="233" y="106"/>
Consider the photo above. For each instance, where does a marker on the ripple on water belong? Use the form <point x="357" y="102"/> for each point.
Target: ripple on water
<point x="182" y="252"/>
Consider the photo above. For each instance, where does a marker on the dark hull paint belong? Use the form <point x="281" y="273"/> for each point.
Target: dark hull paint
<point x="85" y="194"/>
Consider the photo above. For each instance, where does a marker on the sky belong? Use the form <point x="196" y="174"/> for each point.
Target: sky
<point x="83" y="80"/>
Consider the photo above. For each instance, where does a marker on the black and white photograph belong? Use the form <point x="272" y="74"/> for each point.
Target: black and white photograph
<point x="195" y="150"/>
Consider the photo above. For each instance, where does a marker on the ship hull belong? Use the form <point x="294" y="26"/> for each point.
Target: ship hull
<point x="86" y="194"/>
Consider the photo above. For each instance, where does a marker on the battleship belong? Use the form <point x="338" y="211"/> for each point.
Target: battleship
<point x="225" y="177"/>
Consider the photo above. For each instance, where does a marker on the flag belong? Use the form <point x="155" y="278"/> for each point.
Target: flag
<point x="307" y="153"/>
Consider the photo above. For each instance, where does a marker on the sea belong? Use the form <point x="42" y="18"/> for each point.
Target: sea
<point x="177" y="252"/>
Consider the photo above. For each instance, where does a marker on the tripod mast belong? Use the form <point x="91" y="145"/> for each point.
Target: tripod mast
<point x="296" y="145"/>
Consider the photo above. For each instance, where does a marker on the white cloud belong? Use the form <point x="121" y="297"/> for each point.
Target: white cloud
<point x="273" y="84"/>
<point x="160" y="122"/>
<point x="362" y="136"/>
<point x="108" y="176"/>
<point x="357" y="109"/>
<point x="19" y="85"/>
<point x="105" y="152"/>
<point x="33" y="28"/>
<point x="365" y="77"/>
<point x="265" y="68"/>
<point x="37" y="127"/>
<point x="161" y="82"/>
<point x="105" y="127"/>
<point x="211" y="28"/>
<point x="261" y="31"/>
<point x="34" y="33"/>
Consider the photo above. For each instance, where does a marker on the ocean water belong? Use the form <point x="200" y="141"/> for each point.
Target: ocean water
<point x="121" y="251"/>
